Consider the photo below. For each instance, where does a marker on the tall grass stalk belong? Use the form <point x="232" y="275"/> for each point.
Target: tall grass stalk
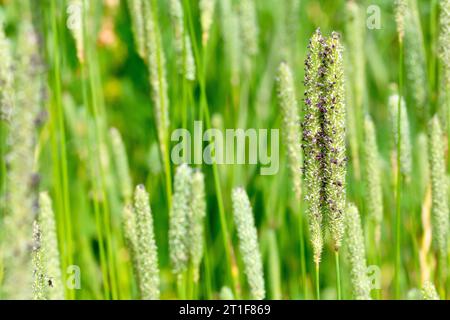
<point x="400" y="18"/>
<point x="58" y="139"/>
<point x="274" y="267"/>
<point x="93" y="98"/>
<point x="182" y="42"/>
<point x="399" y="186"/>
<point x="200" y="58"/>
<point x="6" y="106"/>
<point x="356" y="74"/>
<point x="157" y="77"/>
<point x="184" y="57"/>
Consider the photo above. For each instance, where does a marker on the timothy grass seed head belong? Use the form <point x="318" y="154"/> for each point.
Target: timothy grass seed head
<point x="248" y="243"/>
<point x="179" y="219"/>
<point x="439" y="190"/>
<point x="146" y="250"/>
<point x="291" y="124"/>
<point x="357" y="254"/>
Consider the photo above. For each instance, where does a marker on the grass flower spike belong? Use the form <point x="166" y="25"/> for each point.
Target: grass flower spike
<point x="444" y="37"/>
<point x="429" y="291"/>
<point x="400" y="11"/>
<point x="226" y="294"/>
<point x="439" y="192"/>
<point x="206" y="19"/>
<point x="372" y="177"/>
<point x="312" y="143"/>
<point x="39" y="276"/>
<point x="324" y="144"/>
<point x="291" y="124"/>
<point x="405" y="146"/>
<point x="248" y="243"/>
<point x="135" y="9"/>
<point x="444" y="55"/>
<point x="121" y="164"/>
<point x="179" y="220"/>
<point x="415" y="59"/>
<point x="357" y="254"/>
<point x="22" y="180"/>
<point x="75" y="10"/>
<point x="249" y="27"/>
<point x="182" y="42"/>
<point x="49" y="251"/>
<point x="130" y="233"/>
<point x="332" y="107"/>
<point x="145" y="246"/>
<point x="324" y="137"/>
<point x="196" y="221"/>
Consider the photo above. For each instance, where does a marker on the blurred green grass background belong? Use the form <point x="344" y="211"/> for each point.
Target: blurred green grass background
<point x="113" y="91"/>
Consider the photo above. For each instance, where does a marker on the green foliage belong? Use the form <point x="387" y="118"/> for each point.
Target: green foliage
<point x="90" y="92"/>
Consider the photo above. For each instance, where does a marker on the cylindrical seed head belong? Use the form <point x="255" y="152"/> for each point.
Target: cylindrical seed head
<point x="248" y="243"/>
<point x="372" y="177"/>
<point x="312" y="143"/>
<point x="334" y="138"/>
<point x="121" y="162"/>
<point x="179" y="219"/>
<point x="291" y="124"/>
<point x="429" y="291"/>
<point x="146" y="250"/>
<point x="356" y="254"/>
<point x="196" y="221"/>
<point x="439" y="191"/>
<point x="405" y="144"/>
<point x="49" y="249"/>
